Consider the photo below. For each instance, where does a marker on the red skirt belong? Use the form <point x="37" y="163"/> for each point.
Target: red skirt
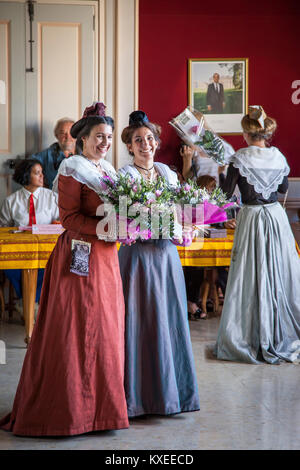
<point x="73" y="372"/>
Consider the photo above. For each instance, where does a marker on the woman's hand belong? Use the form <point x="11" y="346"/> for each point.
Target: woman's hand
<point x="186" y="152"/>
<point x="230" y="224"/>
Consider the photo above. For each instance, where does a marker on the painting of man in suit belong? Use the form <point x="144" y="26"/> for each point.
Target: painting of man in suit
<point x="218" y="88"/>
<point x="215" y="100"/>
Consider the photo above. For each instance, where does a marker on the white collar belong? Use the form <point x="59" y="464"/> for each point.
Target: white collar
<point x="264" y="168"/>
<point x="28" y="193"/>
<point x="161" y="168"/>
<point x="83" y="171"/>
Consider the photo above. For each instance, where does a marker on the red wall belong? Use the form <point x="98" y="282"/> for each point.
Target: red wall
<point x="267" y="32"/>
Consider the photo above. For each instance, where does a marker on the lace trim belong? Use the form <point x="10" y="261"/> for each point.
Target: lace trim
<point x="259" y="187"/>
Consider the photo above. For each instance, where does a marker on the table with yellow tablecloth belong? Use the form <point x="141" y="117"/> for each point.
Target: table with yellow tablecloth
<point x="208" y="252"/>
<point x="29" y="252"/>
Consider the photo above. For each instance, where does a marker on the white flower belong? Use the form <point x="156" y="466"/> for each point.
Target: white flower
<point x="150" y="196"/>
<point x="193" y="200"/>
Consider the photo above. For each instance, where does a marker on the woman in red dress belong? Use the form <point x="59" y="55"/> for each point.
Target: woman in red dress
<point x="73" y="372"/>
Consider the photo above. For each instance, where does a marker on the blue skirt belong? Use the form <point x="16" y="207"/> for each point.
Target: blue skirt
<point x="160" y="374"/>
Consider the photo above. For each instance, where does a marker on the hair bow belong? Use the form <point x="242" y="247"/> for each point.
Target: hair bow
<point x="97" y="109"/>
<point x="257" y="113"/>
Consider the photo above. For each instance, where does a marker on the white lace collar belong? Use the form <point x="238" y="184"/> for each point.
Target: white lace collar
<point x="161" y="168"/>
<point x="264" y="168"/>
<point x="83" y="171"/>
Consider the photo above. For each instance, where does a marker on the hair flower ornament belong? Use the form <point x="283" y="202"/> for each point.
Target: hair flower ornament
<point x="97" y="109"/>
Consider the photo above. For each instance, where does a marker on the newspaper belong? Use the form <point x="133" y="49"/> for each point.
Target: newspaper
<point x="190" y="127"/>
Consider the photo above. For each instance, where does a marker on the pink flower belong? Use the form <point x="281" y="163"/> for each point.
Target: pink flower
<point x="103" y="185"/>
<point x="158" y="193"/>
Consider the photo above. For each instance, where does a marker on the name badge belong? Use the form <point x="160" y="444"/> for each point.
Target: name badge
<point x="80" y="257"/>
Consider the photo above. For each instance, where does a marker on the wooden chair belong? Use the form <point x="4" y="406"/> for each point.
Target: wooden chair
<point x="10" y="306"/>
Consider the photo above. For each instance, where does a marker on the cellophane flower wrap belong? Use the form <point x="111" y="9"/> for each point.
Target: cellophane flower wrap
<point x="190" y="127"/>
<point x="200" y="207"/>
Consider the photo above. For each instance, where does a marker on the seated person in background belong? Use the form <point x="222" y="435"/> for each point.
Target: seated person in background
<point x="194" y="276"/>
<point x="197" y="163"/>
<point x="208" y="182"/>
<point x="52" y="157"/>
<point x="32" y="204"/>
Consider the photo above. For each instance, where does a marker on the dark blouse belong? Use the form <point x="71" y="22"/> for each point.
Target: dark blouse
<point x="248" y="194"/>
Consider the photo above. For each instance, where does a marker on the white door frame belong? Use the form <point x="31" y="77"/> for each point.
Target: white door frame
<point x="116" y="59"/>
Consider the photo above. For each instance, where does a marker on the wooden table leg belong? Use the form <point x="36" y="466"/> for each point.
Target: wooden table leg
<point x="29" y="283"/>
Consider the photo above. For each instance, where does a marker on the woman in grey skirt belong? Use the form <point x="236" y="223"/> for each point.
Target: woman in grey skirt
<point x="260" y="320"/>
<point x="160" y="374"/>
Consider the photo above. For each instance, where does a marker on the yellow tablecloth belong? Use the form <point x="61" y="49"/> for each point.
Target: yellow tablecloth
<point x="27" y="251"/>
<point x="24" y="250"/>
<point x="208" y="251"/>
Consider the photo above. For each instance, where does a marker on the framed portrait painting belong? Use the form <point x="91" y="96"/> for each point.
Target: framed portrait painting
<point x="218" y="88"/>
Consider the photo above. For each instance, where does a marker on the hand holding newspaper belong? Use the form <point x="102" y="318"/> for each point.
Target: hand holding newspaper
<point x="191" y="128"/>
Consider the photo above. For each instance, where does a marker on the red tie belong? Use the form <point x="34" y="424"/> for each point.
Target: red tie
<point x="32" y="219"/>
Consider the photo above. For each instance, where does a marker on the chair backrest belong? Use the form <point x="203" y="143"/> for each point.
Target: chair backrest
<point x="5" y="186"/>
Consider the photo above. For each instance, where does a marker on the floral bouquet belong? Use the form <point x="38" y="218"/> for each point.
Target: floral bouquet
<point x="199" y="206"/>
<point x="151" y="210"/>
<point x="190" y="126"/>
<point x="142" y="207"/>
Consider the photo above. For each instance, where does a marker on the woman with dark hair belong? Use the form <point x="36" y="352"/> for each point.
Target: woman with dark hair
<point x="73" y="373"/>
<point x="160" y="374"/>
<point x="15" y="210"/>
<point x="32" y="204"/>
<point x="260" y="319"/>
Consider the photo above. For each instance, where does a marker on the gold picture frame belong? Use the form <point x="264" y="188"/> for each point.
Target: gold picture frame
<point x="219" y="89"/>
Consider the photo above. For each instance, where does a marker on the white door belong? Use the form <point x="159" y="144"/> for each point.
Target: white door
<point x="48" y="70"/>
<point x="62" y="83"/>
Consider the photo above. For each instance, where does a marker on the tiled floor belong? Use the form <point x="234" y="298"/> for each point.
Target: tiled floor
<point x="242" y="406"/>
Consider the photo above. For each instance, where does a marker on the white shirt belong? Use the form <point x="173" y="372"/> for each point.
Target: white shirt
<point x="15" y="208"/>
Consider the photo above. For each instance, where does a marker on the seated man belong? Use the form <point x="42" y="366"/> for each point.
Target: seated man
<point x="51" y="157"/>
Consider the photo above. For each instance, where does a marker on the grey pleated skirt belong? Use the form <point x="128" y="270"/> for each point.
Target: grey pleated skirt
<point x="260" y="319"/>
<point x="160" y="374"/>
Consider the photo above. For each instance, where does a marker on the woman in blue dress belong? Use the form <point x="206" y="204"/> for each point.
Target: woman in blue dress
<point x="160" y="374"/>
<point x="260" y="319"/>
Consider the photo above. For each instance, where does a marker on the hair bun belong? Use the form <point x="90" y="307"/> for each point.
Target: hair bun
<point x="77" y="127"/>
<point x="257" y="113"/>
<point x="97" y="109"/>
<point x="138" y="116"/>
